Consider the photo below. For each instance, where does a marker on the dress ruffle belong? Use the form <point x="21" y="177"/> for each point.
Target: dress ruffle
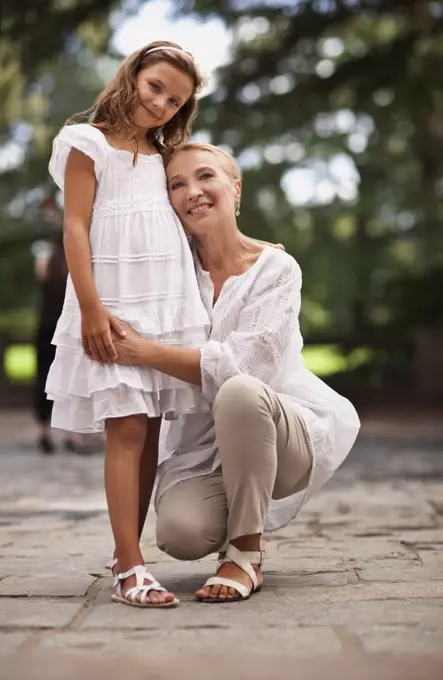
<point x="89" y="414"/>
<point x="182" y="327"/>
<point x="88" y="392"/>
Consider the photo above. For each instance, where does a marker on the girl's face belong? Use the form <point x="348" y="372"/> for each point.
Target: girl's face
<point x="201" y="191"/>
<point x="162" y="90"/>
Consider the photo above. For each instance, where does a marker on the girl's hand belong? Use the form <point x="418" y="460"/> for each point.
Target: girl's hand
<point x="97" y="324"/>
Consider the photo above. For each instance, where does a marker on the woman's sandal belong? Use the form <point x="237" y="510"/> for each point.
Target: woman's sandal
<point x="243" y="560"/>
<point x="141" y="588"/>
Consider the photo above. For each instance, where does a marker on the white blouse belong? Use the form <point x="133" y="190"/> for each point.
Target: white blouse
<point x="255" y="331"/>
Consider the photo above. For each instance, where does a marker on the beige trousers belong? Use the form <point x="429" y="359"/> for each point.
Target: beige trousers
<point x="264" y="453"/>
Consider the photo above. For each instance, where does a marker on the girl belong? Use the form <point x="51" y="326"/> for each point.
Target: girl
<point x="129" y="260"/>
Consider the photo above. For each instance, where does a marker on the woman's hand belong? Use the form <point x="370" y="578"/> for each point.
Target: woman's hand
<point x="97" y="326"/>
<point x="278" y="246"/>
<point x="179" y="362"/>
<point x="131" y="349"/>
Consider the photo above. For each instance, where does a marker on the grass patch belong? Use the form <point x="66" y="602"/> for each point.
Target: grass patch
<point x="326" y="360"/>
<point x="20" y="363"/>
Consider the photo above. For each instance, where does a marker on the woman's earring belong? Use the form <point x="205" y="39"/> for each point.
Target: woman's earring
<point x="237" y="210"/>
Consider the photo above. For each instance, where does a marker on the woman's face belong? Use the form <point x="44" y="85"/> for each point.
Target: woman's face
<point x="162" y="91"/>
<point x="201" y="191"/>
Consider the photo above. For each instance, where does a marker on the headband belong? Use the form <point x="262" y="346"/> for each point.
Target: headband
<point x="165" y="47"/>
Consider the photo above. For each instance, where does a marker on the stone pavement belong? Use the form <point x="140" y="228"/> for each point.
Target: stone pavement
<point x="354" y="587"/>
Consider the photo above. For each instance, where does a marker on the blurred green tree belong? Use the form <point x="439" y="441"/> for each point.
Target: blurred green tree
<point x="349" y="91"/>
<point x="51" y="65"/>
<point x="335" y="110"/>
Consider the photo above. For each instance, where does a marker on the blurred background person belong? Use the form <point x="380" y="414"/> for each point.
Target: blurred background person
<point x="51" y="272"/>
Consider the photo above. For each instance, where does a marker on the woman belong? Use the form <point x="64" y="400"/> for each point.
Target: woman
<point x="276" y="432"/>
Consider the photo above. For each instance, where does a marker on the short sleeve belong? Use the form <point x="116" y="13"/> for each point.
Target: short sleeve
<point x="87" y="139"/>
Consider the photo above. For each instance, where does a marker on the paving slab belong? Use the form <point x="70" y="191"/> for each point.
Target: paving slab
<point x="10" y="643"/>
<point x="30" y="613"/>
<point x="157" y="643"/>
<point x="400" y="639"/>
<point x="201" y="666"/>
<point x="399" y="574"/>
<point x="64" y="584"/>
<point x="355" y="581"/>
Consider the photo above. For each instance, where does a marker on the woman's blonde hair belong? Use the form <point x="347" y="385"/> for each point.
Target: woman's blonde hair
<point x="229" y="163"/>
<point x="112" y="110"/>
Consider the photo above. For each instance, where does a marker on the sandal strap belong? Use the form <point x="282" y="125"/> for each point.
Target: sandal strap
<point x="138" y="571"/>
<point x="113" y="563"/>
<point x="256" y="557"/>
<point x="143" y="590"/>
<point x="229" y="583"/>
<point x="141" y="574"/>
<point x="245" y="560"/>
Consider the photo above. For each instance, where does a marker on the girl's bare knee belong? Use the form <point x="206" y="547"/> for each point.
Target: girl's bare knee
<point x="130" y="430"/>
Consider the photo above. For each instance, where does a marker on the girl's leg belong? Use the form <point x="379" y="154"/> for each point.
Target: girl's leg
<point x="148" y="470"/>
<point x="125" y="438"/>
<point x="265" y="453"/>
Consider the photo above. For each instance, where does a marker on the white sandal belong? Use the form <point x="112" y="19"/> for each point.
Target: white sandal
<point x="141" y="588"/>
<point x="243" y="560"/>
<point x="113" y="563"/>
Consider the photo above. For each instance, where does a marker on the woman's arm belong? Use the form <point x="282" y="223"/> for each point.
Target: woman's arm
<point x="179" y="362"/>
<point x="266" y="328"/>
<point x="254" y="347"/>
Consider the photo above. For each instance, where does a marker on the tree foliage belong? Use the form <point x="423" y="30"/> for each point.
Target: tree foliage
<point x="347" y="91"/>
<point x="48" y="70"/>
<point x="311" y="84"/>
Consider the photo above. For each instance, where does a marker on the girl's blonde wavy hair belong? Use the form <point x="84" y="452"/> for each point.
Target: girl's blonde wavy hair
<point x="112" y="110"/>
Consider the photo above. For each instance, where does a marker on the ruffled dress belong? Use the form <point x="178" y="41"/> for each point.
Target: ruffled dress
<point x="144" y="274"/>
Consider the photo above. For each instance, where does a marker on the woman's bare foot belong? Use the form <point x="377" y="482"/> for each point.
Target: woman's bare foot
<point x="231" y="571"/>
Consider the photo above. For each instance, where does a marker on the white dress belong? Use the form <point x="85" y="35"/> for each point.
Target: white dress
<point x="144" y="274"/>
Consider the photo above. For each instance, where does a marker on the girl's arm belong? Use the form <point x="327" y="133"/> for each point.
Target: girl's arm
<point x="80" y="186"/>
